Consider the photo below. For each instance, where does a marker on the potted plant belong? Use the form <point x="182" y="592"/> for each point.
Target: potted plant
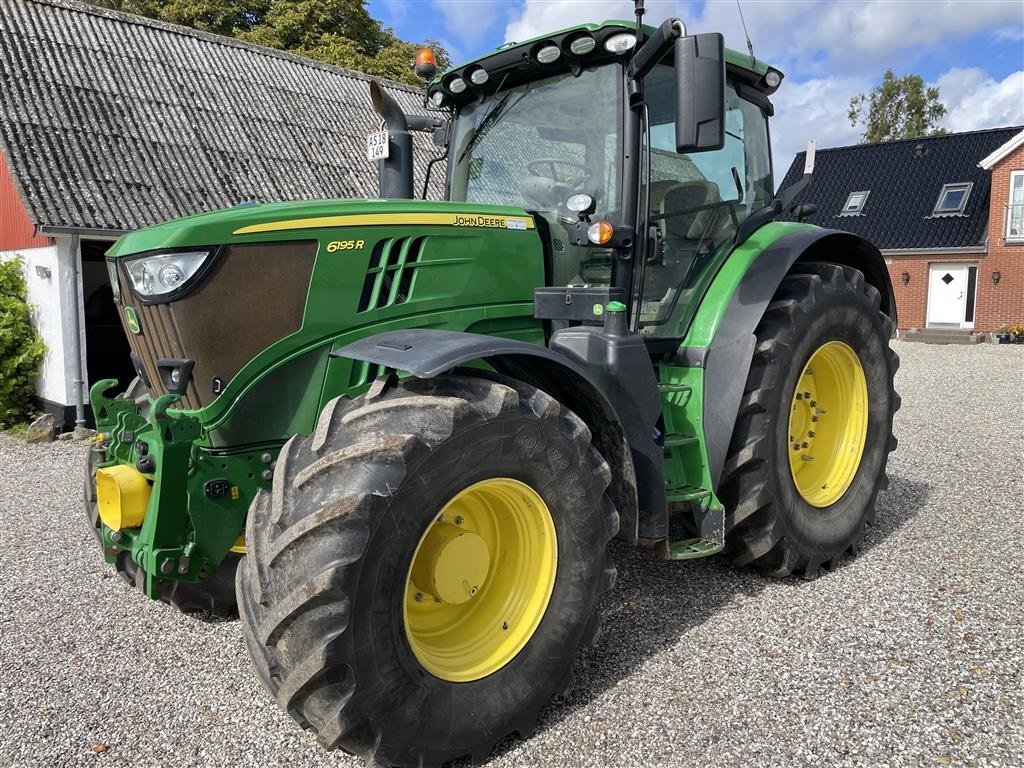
<point x="1002" y="335"/>
<point x="1016" y="333"/>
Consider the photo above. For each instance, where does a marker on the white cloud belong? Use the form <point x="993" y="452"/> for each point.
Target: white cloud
<point x="539" y="17"/>
<point x="846" y="37"/>
<point x="815" y="109"/>
<point x="469" y="21"/>
<point x="975" y="100"/>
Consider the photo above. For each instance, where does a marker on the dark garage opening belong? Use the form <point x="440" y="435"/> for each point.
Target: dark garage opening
<point x="107" y="353"/>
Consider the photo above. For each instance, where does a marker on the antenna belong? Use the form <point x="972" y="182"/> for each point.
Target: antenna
<point x="750" y="45"/>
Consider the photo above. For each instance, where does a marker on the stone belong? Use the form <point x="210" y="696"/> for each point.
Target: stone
<point x="83" y="433"/>
<point x="41" y="430"/>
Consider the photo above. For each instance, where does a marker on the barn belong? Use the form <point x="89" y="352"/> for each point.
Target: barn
<point x="110" y="122"/>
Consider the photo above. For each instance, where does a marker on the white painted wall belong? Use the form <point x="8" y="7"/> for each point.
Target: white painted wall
<point x="55" y="299"/>
<point x="46" y="296"/>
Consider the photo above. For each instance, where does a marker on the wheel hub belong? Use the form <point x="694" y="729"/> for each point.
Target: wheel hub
<point x="452" y="564"/>
<point x="828" y="424"/>
<point x="480" y="580"/>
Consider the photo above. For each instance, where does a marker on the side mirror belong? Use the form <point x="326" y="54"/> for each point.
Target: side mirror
<point x="700" y="93"/>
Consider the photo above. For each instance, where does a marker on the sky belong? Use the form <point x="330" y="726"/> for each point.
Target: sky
<point x="830" y="51"/>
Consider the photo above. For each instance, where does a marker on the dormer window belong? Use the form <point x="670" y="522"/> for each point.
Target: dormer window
<point x="952" y="199"/>
<point x="854" y="204"/>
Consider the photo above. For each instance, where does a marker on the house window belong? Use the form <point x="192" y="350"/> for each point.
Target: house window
<point x="854" y="203"/>
<point x="952" y="199"/>
<point x="1015" y="208"/>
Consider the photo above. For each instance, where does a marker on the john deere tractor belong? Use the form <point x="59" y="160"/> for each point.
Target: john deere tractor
<point x="396" y="436"/>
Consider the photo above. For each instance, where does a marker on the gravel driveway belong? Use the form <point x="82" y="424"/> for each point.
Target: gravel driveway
<point x="911" y="654"/>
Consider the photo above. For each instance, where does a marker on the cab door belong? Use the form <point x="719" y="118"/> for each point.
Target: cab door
<point x="696" y="202"/>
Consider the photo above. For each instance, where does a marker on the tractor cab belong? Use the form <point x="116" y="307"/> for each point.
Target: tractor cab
<point x="556" y="126"/>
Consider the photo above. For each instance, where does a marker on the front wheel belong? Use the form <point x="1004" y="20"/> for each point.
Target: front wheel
<point x="814" y="432"/>
<point x="426" y="567"/>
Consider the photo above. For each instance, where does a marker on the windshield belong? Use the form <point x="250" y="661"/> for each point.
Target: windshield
<point x="535" y="144"/>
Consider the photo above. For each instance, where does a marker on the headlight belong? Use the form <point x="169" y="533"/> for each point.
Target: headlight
<point x="548" y="54"/>
<point x="583" y="45"/>
<point x="154" y="276"/>
<point x="620" y="43"/>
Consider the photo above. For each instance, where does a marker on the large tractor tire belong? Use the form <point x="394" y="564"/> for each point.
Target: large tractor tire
<point x="814" y="433"/>
<point x="212" y="598"/>
<point x="426" y="567"/>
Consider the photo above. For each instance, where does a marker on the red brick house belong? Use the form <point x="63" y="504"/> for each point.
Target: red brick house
<point x="947" y="213"/>
<point x="1004" y="304"/>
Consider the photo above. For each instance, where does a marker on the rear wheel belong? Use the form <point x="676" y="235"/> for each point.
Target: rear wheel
<point x="811" y="443"/>
<point x="213" y="597"/>
<point x="426" y="567"/>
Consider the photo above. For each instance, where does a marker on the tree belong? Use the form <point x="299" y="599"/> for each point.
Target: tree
<point x="898" y="108"/>
<point x="338" y="32"/>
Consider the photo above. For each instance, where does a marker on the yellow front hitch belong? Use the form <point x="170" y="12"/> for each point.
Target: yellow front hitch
<point x="122" y="495"/>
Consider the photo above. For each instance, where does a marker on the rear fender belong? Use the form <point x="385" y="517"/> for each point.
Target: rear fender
<point x="429" y="353"/>
<point x="727" y="360"/>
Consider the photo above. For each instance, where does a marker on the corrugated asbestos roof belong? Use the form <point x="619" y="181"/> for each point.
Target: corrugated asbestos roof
<point x="113" y="121"/>
<point x="904" y="179"/>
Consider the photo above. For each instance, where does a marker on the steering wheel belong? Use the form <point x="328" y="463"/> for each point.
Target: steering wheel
<point x="548" y="167"/>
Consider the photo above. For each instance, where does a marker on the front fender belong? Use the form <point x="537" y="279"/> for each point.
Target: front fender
<point x="427" y="353"/>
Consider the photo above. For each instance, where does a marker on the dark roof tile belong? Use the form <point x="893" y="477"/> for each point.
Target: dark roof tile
<point x="113" y="121"/>
<point x="904" y="178"/>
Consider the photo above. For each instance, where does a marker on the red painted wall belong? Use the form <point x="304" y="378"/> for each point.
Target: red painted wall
<point x="16" y="231"/>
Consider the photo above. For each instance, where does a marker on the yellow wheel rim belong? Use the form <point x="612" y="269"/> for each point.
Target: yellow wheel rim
<point x="828" y="424"/>
<point x="480" y="580"/>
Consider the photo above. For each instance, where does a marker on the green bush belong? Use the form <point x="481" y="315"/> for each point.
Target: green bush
<point x="21" y="348"/>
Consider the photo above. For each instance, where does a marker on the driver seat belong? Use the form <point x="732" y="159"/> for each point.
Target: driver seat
<point x="683" y="196"/>
<point x="681" y="234"/>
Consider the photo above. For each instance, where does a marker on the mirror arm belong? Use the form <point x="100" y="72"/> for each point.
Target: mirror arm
<point x="656" y="48"/>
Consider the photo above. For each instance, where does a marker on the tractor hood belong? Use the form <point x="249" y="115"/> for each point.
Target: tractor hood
<point x="258" y="295"/>
<point x="275" y="221"/>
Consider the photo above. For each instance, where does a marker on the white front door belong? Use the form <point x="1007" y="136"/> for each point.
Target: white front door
<point x="948" y="296"/>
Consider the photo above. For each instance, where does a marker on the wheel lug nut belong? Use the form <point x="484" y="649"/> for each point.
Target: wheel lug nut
<point x="810" y="434"/>
<point x="419" y="597"/>
<point x="459" y="520"/>
<point x="804" y="444"/>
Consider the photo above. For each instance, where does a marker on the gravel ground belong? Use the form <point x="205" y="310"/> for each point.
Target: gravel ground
<point x="911" y="654"/>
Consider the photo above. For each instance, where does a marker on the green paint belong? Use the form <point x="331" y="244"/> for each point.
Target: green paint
<point x="615" y="306"/>
<point x="131" y="319"/>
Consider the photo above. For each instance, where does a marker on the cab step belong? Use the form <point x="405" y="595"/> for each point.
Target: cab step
<point x="686" y="493"/>
<point x="691" y="549"/>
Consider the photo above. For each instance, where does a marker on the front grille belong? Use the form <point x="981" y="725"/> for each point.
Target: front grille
<point x="253" y="296"/>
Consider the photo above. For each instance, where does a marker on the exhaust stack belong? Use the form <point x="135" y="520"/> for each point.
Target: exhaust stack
<point x="395" y="172"/>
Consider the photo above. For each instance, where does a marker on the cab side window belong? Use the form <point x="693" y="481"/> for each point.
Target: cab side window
<point x="697" y="201"/>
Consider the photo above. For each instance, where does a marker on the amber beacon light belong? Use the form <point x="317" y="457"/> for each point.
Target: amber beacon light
<point x="425" y="64"/>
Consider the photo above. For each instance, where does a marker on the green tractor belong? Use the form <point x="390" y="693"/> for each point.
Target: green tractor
<point x="396" y="436"/>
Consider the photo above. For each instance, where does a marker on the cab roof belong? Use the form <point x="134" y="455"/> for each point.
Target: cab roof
<point x="516" y="62"/>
